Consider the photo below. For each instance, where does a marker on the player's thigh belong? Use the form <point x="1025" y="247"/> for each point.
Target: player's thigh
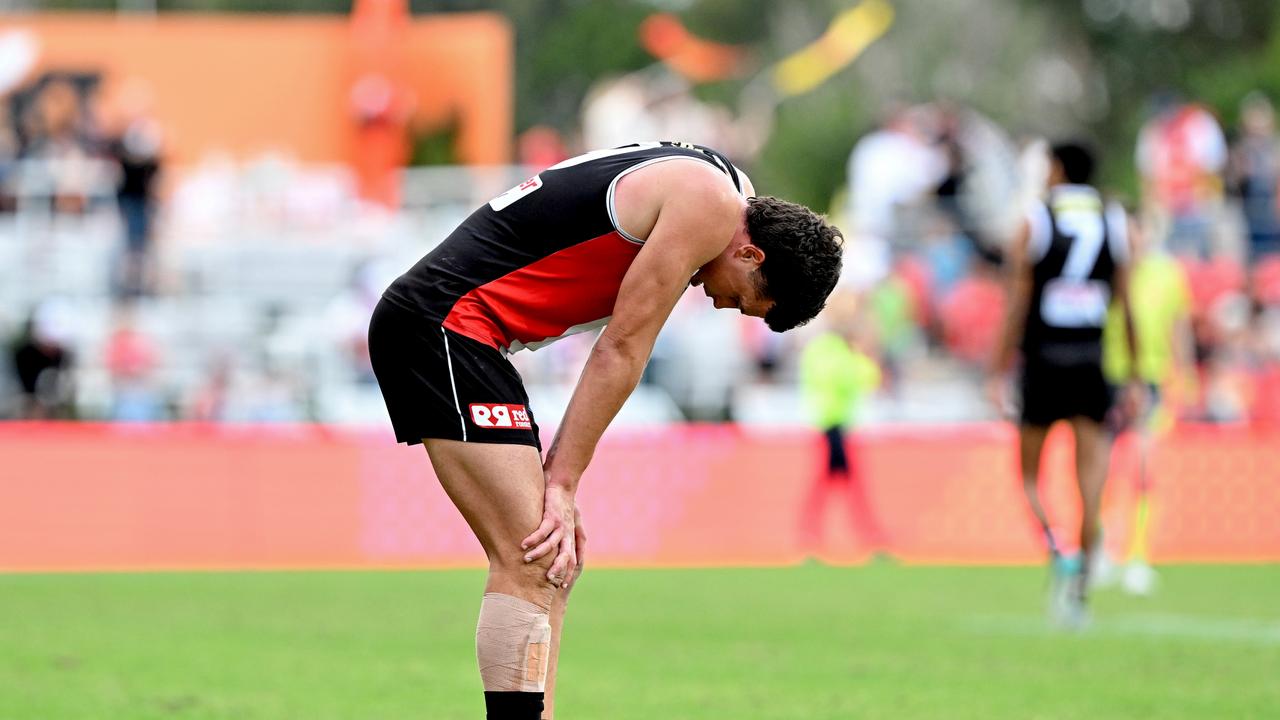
<point x="498" y="488"/>
<point x="1091" y="435"/>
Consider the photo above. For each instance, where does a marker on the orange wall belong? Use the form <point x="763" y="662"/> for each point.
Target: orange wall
<point x="251" y="83"/>
<point x="91" y="497"/>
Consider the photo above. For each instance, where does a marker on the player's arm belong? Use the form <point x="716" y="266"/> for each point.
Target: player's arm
<point x="1120" y="284"/>
<point x="696" y="218"/>
<point x="1018" y="285"/>
<point x="696" y="221"/>
<point x="1117" y="221"/>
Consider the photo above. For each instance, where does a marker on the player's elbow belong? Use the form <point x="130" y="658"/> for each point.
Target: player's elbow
<point x="624" y="351"/>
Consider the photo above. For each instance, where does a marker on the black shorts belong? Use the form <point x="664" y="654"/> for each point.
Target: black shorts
<point x="1053" y="392"/>
<point x="837" y="457"/>
<point x="439" y="384"/>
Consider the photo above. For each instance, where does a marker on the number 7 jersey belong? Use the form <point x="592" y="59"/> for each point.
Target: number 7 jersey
<point x="543" y="260"/>
<point x="1075" y="245"/>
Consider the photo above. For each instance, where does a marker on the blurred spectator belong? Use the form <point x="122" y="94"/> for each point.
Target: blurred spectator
<point x="891" y="309"/>
<point x="279" y="391"/>
<point x="964" y="228"/>
<point x="1227" y="381"/>
<point x="836" y="376"/>
<point x="1266" y="343"/>
<point x="702" y="363"/>
<point x="1181" y="155"/>
<point x="42" y="363"/>
<point x="211" y="400"/>
<point x="137" y="152"/>
<point x="1255" y="170"/>
<point x="969" y="315"/>
<point x="892" y="168"/>
<point x="657" y="104"/>
<point x="131" y="361"/>
<point x="275" y="396"/>
<point x="1212" y="283"/>
<point x="980" y="187"/>
<point x="57" y="137"/>
<point x="348" y="319"/>
<point x="540" y="147"/>
<point x="9" y="148"/>
<point x="765" y="347"/>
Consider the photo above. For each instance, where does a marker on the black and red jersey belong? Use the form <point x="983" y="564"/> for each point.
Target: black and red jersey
<point x="543" y="260"/>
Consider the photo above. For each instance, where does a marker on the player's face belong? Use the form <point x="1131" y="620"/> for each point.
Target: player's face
<point x="731" y="282"/>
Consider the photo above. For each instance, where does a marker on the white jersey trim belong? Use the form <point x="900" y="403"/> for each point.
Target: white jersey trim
<point x="517" y="346"/>
<point x="609" y="196"/>
<point x="1118" y="233"/>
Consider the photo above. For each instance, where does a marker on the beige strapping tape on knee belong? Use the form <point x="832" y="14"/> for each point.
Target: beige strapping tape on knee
<point x="513" y="644"/>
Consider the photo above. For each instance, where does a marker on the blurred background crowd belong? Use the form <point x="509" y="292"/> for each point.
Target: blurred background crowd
<point x="146" y="276"/>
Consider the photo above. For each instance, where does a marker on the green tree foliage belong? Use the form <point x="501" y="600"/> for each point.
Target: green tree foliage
<point x="562" y="47"/>
<point x="1222" y="50"/>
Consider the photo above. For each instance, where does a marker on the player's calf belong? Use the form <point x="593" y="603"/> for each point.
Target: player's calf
<point x="513" y="638"/>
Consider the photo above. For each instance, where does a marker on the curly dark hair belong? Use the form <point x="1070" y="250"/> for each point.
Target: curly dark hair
<point x="801" y="259"/>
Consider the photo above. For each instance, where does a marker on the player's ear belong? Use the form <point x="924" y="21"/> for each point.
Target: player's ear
<point x="751" y="253"/>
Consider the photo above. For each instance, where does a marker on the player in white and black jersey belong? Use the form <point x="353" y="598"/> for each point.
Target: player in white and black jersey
<point x="1066" y="266"/>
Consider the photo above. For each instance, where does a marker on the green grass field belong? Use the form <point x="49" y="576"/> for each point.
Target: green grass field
<point x="809" y="642"/>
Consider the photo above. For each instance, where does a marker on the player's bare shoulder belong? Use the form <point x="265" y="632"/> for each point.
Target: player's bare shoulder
<point x="684" y="186"/>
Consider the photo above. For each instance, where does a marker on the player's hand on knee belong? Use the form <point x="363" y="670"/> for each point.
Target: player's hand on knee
<point x="555" y="533"/>
<point x="580" y="548"/>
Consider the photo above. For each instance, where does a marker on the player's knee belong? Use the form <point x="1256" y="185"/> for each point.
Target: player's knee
<point x="526" y="579"/>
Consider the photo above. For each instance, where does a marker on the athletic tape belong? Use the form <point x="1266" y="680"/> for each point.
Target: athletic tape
<point x="513" y="644"/>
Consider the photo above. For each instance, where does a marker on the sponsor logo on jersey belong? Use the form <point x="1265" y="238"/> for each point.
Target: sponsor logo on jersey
<point x="497" y="416"/>
<point x="1070" y="303"/>
<point x="515" y="193"/>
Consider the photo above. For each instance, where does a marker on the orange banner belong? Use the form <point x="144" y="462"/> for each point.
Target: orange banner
<point x="100" y="497"/>
<point x="253" y="83"/>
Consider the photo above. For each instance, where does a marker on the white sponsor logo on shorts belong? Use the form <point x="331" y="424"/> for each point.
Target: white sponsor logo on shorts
<point x="500" y="415"/>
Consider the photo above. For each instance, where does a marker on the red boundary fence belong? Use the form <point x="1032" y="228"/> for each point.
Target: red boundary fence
<point x="109" y="497"/>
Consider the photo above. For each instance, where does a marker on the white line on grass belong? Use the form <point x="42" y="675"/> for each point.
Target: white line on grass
<point x="1190" y="627"/>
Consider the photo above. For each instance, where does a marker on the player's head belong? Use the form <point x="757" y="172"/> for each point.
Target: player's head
<point x="1072" y="163"/>
<point x="782" y="270"/>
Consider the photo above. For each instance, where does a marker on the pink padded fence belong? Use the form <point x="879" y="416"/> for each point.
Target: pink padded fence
<point x="95" y="497"/>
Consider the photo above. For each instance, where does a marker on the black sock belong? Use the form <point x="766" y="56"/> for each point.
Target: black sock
<point x="513" y="705"/>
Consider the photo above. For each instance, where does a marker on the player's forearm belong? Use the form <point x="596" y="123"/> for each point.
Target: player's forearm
<point x="1003" y="356"/>
<point x="610" y="375"/>
<point x="1135" y="372"/>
